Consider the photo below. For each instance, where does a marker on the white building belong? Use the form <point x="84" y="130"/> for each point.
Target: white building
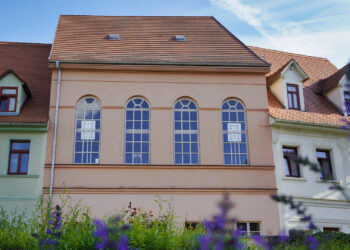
<point x="307" y="102"/>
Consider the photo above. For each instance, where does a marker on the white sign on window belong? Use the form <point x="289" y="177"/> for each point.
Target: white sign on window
<point x="234" y="132"/>
<point x="88" y="130"/>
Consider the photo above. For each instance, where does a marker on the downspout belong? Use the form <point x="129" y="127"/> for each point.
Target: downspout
<point x="55" y="129"/>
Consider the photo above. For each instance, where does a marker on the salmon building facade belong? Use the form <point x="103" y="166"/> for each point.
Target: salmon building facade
<point x="126" y="109"/>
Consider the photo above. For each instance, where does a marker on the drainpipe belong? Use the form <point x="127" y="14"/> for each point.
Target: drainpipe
<point x="55" y="128"/>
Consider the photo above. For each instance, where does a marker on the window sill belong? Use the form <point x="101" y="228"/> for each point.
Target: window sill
<point x="19" y="176"/>
<point x="294" y="178"/>
<point x="328" y="181"/>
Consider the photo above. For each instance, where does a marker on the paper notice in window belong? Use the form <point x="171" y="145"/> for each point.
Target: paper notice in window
<point x="234" y="132"/>
<point x="88" y="130"/>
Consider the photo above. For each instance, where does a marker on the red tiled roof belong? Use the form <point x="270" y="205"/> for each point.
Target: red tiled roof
<point x="30" y="62"/>
<point x="317" y="107"/>
<point x="149" y="40"/>
<point x="330" y="82"/>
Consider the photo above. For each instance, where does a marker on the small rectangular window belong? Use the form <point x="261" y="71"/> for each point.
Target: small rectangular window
<point x="324" y="161"/>
<point x="330" y="229"/>
<point x="291" y="167"/>
<point x="293" y="96"/>
<point x="19" y="157"/>
<point x="191" y="225"/>
<point x="8" y="99"/>
<point x="249" y="228"/>
<point x="347" y="102"/>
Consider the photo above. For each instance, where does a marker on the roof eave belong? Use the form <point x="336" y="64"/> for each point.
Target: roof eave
<point x="261" y="68"/>
<point x="290" y="124"/>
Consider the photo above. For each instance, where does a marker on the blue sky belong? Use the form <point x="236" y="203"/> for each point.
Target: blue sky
<point x="312" y="27"/>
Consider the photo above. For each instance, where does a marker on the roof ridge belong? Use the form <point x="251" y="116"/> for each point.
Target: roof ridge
<point x="290" y="53"/>
<point x="137" y="16"/>
<point x="24" y="43"/>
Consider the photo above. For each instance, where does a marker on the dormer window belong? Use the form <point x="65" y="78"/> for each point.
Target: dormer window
<point x="293" y="96"/>
<point x="8" y="99"/>
<point x="347" y="102"/>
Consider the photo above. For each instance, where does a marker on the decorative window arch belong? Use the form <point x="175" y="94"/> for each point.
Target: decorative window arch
<point x="137" y="132"/>
<point x="186" y="148"/>
<point x="234" y="133"/>
<point x="87" y="131"/>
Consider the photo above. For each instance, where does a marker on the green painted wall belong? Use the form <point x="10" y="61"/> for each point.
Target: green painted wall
<point x="11" y="80"/>
<point x="22" y="191"/>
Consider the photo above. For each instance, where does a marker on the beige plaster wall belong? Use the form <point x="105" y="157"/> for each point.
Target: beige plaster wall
<point x="162" y="90"/>
<point x="189" y="206"/>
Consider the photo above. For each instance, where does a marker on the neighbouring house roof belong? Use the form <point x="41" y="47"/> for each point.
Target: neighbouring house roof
<point x="318" y="109"/>
<point x="29" y="62"/>
<point x="149" y="40"/>
<point x="330" y="82"/>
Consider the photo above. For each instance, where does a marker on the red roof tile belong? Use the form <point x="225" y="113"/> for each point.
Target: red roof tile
<point x="318" y="108"/>
<point x="149" y="40"/>
<point x="30" y="62"/>
<point x="330" y="82"/>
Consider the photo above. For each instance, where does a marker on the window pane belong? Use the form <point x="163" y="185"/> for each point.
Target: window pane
<point x="254" y="226"/>
<point x="20" y="145"/>
<point x="128" y="158"/>
<point x="242" y="226"/>
<point x="321" y="155"/>
<point x="295" y="100"/>
<point x="24" y="163"/>
<point x="78" y="158"/>
<point x="186" y="158"/>
<point x="290" y="103"/>
<point x="145" y="158"/>
<point x="291" y="88"/>
<point x="178" y="158"/>
<point x="145" y="147"/>
<point x="9" y="91"/>
<point x="12" y="104"/>
<point x="13" y="163"/>
<point x="3" y="104"/>
<point x="286" y="168"/>
<point x="227" y="158"/>
<point x="194" y="158"/>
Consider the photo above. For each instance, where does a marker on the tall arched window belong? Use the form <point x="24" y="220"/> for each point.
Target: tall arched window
<point x="186" y="150"/>
<point x="137" y="132"/>
<point x="234" y="133"/>
<point x="87" y="131"/>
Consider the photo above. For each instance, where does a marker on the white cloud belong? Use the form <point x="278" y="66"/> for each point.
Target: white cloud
<point x="307" y="36"/>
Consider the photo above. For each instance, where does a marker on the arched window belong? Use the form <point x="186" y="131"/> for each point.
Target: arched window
<point x="87" y="131"/>
<point x="234" y="133"/>
<point x="186" y="150"/>
<point x="137" y="132"/>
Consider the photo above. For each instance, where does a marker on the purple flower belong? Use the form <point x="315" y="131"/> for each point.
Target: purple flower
<point x="101" y="232"/>
<point x="283" y="236"/>
<point x="204" y="242"/>
<point x="312" y="225"/>
<point x="51" y="242"/>
<point x="208" y="226"/>
<point x="260" y="241"/>
<point x="123" y="243"/>
<point x="219" y="244"/>
<point x="312" y="242"/>
<point x="220" y="222"/>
